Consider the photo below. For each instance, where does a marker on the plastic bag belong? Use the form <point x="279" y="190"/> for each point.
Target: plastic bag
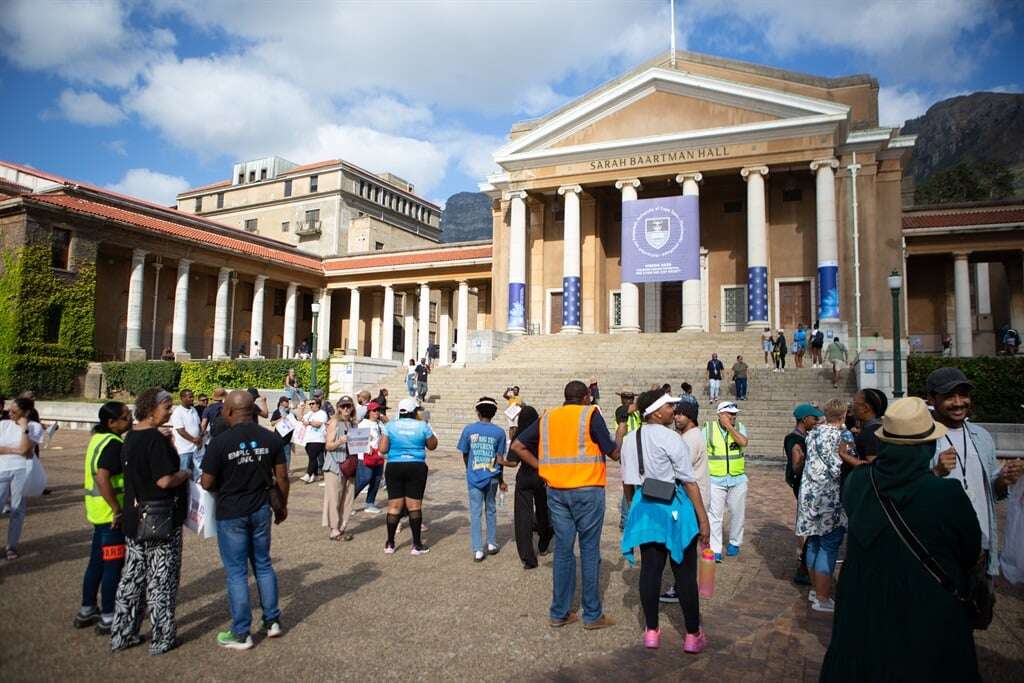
<point x="1012" y="558"/>
<point x="35" y="479"/>
<point x="202" y="508"/>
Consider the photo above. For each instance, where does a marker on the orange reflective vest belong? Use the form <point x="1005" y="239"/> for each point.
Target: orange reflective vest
<point x="569" y="458"/>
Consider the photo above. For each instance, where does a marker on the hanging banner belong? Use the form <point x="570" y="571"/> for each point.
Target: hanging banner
<point x="661" y="239"/>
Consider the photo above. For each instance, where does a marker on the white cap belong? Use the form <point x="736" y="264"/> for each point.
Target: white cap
<point x="728" y="407"/>
<point x="662" y="400"/>
<point x="408" y="405"/>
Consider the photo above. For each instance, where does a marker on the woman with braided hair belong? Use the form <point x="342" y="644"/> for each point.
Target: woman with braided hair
<point x="868" y="407"/>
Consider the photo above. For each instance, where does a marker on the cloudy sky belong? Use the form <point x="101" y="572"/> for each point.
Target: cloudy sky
<point x="150" y="98"/>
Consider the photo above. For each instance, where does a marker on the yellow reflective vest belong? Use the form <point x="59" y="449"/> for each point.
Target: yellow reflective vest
<point x="96" y="509"/>
<point x="725" y="456"/>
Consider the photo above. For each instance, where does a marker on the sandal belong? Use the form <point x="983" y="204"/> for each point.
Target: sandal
<point x="334" y="537"/>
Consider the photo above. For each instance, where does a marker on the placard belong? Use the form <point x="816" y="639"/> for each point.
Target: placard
<point x="661" y="239"/>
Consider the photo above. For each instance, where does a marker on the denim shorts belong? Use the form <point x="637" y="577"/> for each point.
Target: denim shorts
<point x="822" y="551"/>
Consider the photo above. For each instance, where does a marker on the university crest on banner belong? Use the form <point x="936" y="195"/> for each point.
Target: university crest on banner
<point x="661" y="239"/>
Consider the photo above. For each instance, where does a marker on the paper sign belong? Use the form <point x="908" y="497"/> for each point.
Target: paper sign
<point x="286" y="424"/>
<point x="359" y="441"/>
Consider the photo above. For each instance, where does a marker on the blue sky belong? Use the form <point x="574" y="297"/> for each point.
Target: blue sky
<point x="151" y="98"/>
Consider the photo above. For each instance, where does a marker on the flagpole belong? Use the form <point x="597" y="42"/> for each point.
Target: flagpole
<point x="672" y="38"/>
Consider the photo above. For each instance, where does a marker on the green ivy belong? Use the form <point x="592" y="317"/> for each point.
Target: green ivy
<point x="138" y="376"/>
<point x="205" y="376"/>
<point x="998" y="384"/>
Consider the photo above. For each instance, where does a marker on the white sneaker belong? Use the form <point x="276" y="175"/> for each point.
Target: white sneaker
<point x="274" y="630"/>
<point x="322" y="485"/>
<point x="372" y="509"/>
<point x="826" y="606"/>
<point x="812" y="596"/>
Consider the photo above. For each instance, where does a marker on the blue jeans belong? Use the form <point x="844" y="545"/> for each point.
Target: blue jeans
<point x="741" y="387"/>
<point x="104" y="570"/>
<point x="186" y="460"/>
<point x="242" y="540"/>
<point x="287" y="450"/>
<point x="822" y="551"/>
<point x="368" y="476"/>
<point x="577" y="512"/>
<point x="479" y="499"/>
<point x="410" y="385"/>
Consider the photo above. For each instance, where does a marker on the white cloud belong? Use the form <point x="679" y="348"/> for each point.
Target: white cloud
<point x="896" y="106"/>
<point x="386" y="113"/>
<point x="118" y="147"/>
<point x="88" y="109"/>
<point x="152" y="186"/>
<point x="1014" y="88"/>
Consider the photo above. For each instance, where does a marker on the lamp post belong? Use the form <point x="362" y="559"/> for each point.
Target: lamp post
<point x="312" y="371"/>
<point x="895" y="284"/>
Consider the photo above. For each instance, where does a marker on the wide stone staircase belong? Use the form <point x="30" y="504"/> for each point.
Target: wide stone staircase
<point x="541" y="366"/>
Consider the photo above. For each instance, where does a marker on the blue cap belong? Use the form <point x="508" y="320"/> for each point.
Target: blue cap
<point x="806" y="410"/>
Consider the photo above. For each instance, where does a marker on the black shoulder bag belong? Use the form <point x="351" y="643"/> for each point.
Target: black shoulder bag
<point x="156" y="519"/>
<point x="655" y="489"/>
<point x="979" y="600"/>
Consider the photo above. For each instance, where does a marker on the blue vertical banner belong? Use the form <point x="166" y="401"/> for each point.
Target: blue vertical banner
<point x="570" y="301"/>
<point x="828" y="291"/>
<point x="516" y="306"/>
<point x="661" y="239"/>
<point x="757" y="293"/>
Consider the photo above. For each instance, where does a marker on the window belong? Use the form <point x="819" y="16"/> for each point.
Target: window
<point x="616" y="309"/>
<point x="252" y="176"/>
<point x="53" y="315"/>
<point x="199" y="204"/>
<point x="307" y="306"/>
<point x="60" y="248"/>
<point x="246" y="294"/>
<point x="362" y="188"/>
<point x="792" y="195"/>
<point x="376" y="194"/>
<point x="378" y="246"/>
<point x="433" y="312"/>
<point x="241" y="177"/>
<point x="279" y="298"/>
<point x="250" y="224"/>
<point x="312" y="218"/>
<point x="220" y="200"/>
<point x="263" y="174"/>
<point x="314" y="182"/>
<point x="288" y="188"/>
<point x="284" y="226"/>
<point x="732" y="207"/>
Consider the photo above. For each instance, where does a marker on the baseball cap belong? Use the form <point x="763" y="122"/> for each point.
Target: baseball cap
<point x="806" y="410"/>
<point x="408" y="405"/>
<point x="687" y="408"/>
<point x="728" y="407"/>
<point x="945" y="380"/>
<point x="344" y="400"/>
<point x="372" y="405"/>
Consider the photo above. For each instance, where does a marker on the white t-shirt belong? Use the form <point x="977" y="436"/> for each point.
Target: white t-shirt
<point x="666" y="456"/>
<point x="694" y="440"/>
<point x="187" y="419"/>
<point x="315" y="434"/>
<point x="361" y="411"/>
<point x="10" y="437"/>
<point x="968" y="469"/>
<point x="374" y="428"/>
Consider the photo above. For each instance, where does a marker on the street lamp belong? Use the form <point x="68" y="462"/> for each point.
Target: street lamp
<point x="312" y="370"/>
<point x="895" y="284"/>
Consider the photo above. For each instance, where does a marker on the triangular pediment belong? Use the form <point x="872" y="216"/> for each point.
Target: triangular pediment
<point x="658" y="104"/>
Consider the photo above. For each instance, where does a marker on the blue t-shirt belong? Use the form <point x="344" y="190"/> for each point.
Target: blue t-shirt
<point x="482" y="442"/>
<point x="408" y="439"/>
<point x="800" y="337"/>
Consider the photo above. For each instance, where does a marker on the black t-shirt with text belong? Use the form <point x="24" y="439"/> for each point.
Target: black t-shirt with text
<point x="146" y="456"/>
<point x="242" y="460"/>
<point x="421" y="373"/>
<point x="715" y="369"/>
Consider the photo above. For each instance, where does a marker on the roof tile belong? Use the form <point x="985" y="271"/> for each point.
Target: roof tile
<point x="957" y="218"/>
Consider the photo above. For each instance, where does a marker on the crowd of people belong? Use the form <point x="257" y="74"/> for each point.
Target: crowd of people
<point x="910" y="487"/>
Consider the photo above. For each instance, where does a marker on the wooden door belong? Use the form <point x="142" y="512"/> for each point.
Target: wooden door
<point x="671" y="306"/>
<point x="556" y="312"/>
<point x="794" y="304"/>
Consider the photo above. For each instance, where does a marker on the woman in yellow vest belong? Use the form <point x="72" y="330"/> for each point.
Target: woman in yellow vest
<point x="104" y="497"/>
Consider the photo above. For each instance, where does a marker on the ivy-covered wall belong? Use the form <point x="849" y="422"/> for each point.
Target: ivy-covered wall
<point x="32" y="298"/>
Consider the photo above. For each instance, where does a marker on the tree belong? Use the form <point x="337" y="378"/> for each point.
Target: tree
<point x="966" y="183"/>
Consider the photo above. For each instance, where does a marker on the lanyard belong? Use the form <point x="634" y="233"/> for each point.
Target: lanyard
<point x="961" y="461"/>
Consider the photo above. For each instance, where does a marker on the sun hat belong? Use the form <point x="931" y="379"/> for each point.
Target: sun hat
<point x="909" y="422"/>
<point x="647" y="406"/>
<point x="728" y="407"/>
<point x="627" y="391"/>
<point x="408" y="405"/>
<point x="945" y="380"/>
<point x="806" y="410"/>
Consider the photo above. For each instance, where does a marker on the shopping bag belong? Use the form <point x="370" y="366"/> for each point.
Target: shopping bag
<point x="35" y="479"/>
<point x="1012" y="558"/>
<point x="202" y="508"/>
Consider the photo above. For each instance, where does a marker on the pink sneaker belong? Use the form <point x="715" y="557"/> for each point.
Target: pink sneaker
<point x="695" y="644"/>
<point x="652" y="638"/>
<point x="389" y="549"/>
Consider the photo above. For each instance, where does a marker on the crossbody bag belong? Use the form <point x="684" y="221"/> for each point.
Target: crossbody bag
<point x="655" y="489"/>
<point x="979" y="600"/>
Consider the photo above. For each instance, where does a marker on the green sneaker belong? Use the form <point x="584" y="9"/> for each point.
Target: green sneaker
<point x="230" y="640"/>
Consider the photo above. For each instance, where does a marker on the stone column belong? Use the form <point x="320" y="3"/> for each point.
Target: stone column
<point x="220" y="315"/>
<point x="136" y="285"/>
<point x="424" y="315"/>
<point x="408" y="301"/>
<point x="387" y="324"/>
<point x="630" y="293"/>
<point x="290" y="305"/>
<point x="179" y="328"/>
<point x="691" y="288"/>
<point x="323" y="333"/>
<point x="983" y="292"/>
<point x="353" y="322"/>
<point x="962" y="299"/>
<point x="444" y="333"/>
<point x="828" y="240"/>
<point x="256" y="324"/>
<point x="462" y="325"/>
<point x="757" y="248"/>
<point x="571" y="260"/>
<point x="516" y="266"/>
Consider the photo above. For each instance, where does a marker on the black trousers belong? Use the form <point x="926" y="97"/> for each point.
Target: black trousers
<point x="531" y="507"/>
<point x="652" y="565"/>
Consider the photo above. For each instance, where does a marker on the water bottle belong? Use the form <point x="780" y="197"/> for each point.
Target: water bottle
<point x="706" y="573"/>
<point x="501" y="498"/>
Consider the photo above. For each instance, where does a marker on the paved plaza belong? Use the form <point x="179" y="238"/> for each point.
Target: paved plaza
<point x="352" y="613"/>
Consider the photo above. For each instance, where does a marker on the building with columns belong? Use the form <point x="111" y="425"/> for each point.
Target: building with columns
<point x="770" y="155"/>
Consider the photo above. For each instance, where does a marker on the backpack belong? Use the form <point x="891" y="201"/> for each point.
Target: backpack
<point x="819" y="338"/>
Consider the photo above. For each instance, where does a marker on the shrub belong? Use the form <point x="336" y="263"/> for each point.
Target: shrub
<point x="48" y="377"/>
<point x="205" y="376"/>
<point x="998" y="384"/>
<point x="138" y="376"/>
